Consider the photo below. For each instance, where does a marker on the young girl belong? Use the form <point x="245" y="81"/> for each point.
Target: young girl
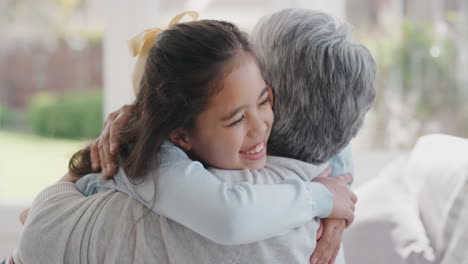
<point x="202" y="92"/>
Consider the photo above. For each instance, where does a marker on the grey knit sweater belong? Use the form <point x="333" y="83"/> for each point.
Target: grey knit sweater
<point x="110" y="227"/>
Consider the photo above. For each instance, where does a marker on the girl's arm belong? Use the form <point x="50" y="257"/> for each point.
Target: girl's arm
<point x="329" y="244"/>
<point x="226" y="214"/>
<point x="240" y="213"/>
<point x="196" y="198"/>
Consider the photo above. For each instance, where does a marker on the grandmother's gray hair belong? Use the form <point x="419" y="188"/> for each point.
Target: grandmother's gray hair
<point x="323" y="82"/>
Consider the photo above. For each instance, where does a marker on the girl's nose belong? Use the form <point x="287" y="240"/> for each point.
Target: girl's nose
<point x="258" y="127"/>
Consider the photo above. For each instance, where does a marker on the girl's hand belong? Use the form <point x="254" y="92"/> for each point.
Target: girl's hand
<point x="329" y="243"/>
<point x="344" y="200"/>
<point x="319" y="230"/>
<point x="105" y="148"/>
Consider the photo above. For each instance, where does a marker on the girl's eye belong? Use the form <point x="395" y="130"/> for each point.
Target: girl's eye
<point x="265" y="101"/>
<point x="235" y="123"/>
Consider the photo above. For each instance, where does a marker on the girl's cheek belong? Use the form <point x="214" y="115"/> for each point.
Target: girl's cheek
<point x="269" y="117"/>
<point x="237" y="137"/>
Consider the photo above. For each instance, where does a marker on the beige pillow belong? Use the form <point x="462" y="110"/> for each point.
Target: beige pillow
<point x="436" y="174"/>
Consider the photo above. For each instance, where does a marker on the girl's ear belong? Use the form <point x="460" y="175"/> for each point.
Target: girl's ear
<point x="179" y="137"/>
<point x="270" y="95"/>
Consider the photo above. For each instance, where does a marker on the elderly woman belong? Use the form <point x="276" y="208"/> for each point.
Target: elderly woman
<point x="323" y="84"/>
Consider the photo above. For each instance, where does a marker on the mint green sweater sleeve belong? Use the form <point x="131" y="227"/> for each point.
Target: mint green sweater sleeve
<point x="225" y="213"/>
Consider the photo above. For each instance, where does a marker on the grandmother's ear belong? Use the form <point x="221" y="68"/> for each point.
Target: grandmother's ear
<point x="179" y="137"/>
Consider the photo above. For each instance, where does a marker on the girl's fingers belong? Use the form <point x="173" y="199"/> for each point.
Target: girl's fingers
<point x="345" y="178"/>
<point x="320" y="250"/>
<point x="326" y="173"/>
<point x="95" y="162"/>
<point x="110" y="118"/>
<point x="333" y="247"/>
<point x="354" y="197"/>
<point x="116" y="126"/>
<point x="349" y="220"/>
<point x="107" y="158"/>
<point x="115" y="129"/>
<point x="320" y="230"/>
<point x="352" y="207"/>
<point x="101" y="160"/>
<point x="327" y="254"/>
<point x="104" y="147"/>
<point x="332" y="261"/>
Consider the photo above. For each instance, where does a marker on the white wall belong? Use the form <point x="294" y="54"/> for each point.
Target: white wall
<point x="126" y="18"/>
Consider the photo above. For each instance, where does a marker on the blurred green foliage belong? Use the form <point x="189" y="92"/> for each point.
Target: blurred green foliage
<point x="73" y="116"/>
<point x="426" y="64"/>
<point x="6" y="116"/>
<point x="417" y="82"/>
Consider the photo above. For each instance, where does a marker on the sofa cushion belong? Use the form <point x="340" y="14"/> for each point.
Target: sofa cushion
<point x="437" y="175"/>
<point x="456" y="227"/>
<point x="387" y="228"/>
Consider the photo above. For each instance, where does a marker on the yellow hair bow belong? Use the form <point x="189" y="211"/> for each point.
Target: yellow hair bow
<point x="142" y="43"/>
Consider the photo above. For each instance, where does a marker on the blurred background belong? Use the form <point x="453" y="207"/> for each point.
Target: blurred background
<point x="64" y="65"/>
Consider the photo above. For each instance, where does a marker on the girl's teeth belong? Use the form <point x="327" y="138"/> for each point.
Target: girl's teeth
<point x="257" y="149"/>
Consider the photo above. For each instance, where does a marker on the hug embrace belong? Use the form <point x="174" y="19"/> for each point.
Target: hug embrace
<point x="234" y="151"/>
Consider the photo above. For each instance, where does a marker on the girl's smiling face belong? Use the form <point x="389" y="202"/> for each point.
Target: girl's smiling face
<point x="233" y="131"/>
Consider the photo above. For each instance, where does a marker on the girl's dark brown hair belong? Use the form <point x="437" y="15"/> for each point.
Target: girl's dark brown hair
<point x="181" y="74"/>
